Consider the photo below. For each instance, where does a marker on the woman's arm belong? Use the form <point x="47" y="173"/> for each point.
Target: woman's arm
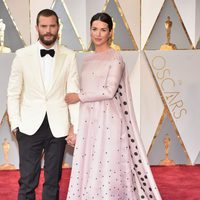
<point x="109" y="89"/>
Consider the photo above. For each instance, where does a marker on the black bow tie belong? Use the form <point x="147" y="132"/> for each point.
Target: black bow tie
<point x="43" y="52"/>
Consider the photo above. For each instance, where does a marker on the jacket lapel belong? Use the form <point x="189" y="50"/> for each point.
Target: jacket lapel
<point x="35" y="66"/>
<point x="60" y="56"/>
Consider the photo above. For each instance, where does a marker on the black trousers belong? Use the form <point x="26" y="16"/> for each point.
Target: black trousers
<point x="31" y="149"/>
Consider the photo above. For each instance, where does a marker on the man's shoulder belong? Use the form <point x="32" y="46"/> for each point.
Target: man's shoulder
<point x="66" y="50"/>
<point x="26" y="50"/>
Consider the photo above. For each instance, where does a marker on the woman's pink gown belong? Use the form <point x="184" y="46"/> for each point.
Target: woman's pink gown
<point x="109" y="160"/>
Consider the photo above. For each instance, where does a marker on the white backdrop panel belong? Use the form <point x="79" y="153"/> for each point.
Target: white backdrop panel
<point x="151" y="104"/>
<point x="149" y="14"/>
<point x="132" y="15"/>
<point x="188" y="8"/>
<point x="21" y="17"/>
<point x="5" y="63"/>
<point x="177" y="73"/>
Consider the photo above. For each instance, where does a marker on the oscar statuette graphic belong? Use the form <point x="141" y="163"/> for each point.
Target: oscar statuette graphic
<point x="112" y="44"/>
<point x="168" y="45"/>
<point x="6" y="148"/>
<point x="3" y="49"/>
<point x="167" y="161"/>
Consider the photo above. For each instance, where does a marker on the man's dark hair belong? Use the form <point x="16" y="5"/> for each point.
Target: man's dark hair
<point x="47" y="13"/>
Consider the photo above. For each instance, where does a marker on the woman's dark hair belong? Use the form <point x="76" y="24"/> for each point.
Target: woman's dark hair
<point x="104" y="17"/>
<point x="47" y="13"/>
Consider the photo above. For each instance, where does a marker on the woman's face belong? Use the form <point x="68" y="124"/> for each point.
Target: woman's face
<point x="100" y="33"/>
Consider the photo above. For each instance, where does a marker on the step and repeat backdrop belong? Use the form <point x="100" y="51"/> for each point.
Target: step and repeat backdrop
<point x="159" y="41"/>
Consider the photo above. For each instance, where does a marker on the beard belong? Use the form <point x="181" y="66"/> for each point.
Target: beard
<point x="48" y="42"/>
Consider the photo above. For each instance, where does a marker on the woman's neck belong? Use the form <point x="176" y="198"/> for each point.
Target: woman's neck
<point x="101" y="49"/>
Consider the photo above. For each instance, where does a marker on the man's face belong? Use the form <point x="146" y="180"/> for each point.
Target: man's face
<point x="47" y="30"/>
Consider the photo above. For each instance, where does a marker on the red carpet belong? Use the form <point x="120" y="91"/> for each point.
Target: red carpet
<point x="174" y="183"/>
<point x="178" y="182"/>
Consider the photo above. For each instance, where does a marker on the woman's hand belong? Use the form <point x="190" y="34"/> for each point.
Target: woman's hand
<point x="71" y="98"/>
<point x="71" y="138"/>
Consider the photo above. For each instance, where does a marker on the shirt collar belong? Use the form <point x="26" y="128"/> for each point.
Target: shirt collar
<point x="40" y="46"/>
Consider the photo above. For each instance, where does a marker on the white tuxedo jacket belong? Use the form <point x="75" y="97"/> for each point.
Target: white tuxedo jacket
<point x="28" y="102"/>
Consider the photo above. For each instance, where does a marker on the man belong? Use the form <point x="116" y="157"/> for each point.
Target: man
<point x="38" y="114"/>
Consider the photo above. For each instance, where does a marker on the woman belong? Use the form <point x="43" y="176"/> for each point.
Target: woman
<point x="109" y="160"/>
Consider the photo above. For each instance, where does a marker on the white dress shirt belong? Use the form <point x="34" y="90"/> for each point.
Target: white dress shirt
<point x="47" y="63"/>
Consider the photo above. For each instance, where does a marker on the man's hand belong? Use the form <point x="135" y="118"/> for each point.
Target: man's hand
<point x="71" y="98"/>
<point x="71" y="138"/>
<point x="14" y="131"/>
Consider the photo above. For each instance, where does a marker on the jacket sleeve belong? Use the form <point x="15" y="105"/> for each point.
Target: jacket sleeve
<point x="14" y="91"/>
<point x="111" y="85"/>
<point x="73" y="87"/>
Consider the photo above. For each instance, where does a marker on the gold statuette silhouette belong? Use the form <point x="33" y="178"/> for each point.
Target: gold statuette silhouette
<point x="3" y="49"/>
<point x="168" y="45"/>
<point x="7" y="165"/>
<point x="167" y="161"/>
